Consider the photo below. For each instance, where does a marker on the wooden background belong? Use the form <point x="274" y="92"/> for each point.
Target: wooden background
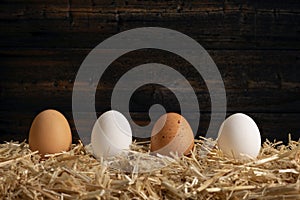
<point x="255" y="44"/>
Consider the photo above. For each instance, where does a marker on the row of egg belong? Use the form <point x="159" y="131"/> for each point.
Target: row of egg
<point x="238" y="137"/>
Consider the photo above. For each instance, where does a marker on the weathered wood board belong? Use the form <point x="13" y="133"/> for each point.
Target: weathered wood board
<point x="255" y="44"/>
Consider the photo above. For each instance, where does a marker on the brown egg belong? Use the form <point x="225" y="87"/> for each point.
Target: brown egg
<point x="50" y="133"/>
<point x="172" y="133"/>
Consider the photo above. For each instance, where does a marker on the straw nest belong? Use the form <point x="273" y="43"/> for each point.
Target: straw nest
<point x="206" y="174"/>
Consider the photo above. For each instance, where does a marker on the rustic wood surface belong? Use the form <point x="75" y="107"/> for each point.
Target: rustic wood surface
<point x="255" y="44"/>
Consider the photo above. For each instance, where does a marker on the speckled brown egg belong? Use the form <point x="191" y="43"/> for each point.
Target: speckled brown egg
<point x="50" y="133"/>
<point x="172" y="133"/>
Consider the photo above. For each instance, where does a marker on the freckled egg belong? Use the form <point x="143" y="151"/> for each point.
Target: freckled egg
<point x="111" y="134"/>
<point x="239" y="137"/>
<point x="172" y="133"/>
<point x="50" y="133"/>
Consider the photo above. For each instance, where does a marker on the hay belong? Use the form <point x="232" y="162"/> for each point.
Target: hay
<point x="206" y="174"/>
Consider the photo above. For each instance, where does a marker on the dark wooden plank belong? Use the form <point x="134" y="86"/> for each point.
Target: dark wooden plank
<point x="228" y="25"/>
<point x="255" y="81"/>
<point x="24" y="8"/>
<point x="26" y="97"/>
<point x="255" y="45"/>
<point x="15" y="125"/>
<point x="239" y="69"/>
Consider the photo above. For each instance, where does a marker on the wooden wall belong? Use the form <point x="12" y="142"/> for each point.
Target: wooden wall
<point x="255" y="44"/>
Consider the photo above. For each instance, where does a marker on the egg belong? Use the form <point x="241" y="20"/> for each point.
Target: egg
<point x="239" y="137"/>
<point x="111" y="134"/>
<point x="50" y="133"/>
<point x="172" y="133"/>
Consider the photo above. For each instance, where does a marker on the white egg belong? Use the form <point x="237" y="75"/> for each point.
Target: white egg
<point x="239" y="137"/>
<point x="111" y="134"/>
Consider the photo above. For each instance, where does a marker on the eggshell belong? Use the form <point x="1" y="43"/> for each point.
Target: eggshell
<point x="50" y="133"/>
<point x="239" y="137"/>
<point x="172" y="133"/>
<point x="111" y="134"/>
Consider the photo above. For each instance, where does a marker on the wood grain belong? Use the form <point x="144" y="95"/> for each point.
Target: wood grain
<point x="273" y="126"/>
<point x="255" y="44"/>
<point x="217" y="24"/>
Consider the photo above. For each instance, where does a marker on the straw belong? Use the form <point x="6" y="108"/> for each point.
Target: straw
<point x="205" y="174"/>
